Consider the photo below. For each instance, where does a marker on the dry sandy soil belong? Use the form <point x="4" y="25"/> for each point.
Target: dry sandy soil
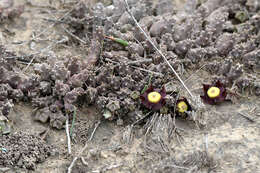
<point x="222" y="139"/>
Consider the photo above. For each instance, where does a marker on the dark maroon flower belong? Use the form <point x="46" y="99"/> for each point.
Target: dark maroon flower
<point x="214" y="93"/>
<point x="182" y="107"/>
<point x="153" y="98"/>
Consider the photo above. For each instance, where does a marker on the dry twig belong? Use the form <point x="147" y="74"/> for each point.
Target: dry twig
<point x="246" y="116"/>
<point x="44" y="135"/>
<point x="68" y="134"/>
<point x="139" y="68"/>
<point x="141" y="119"/>
<point x="73" y="35"/>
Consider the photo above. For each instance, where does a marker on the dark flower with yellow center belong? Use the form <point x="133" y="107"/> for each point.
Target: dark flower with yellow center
<point x="182" y="107"/>
<point x="153" y="98"/>
<point x="214" y="93"/>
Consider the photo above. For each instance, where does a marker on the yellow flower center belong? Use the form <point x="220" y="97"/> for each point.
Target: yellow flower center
<point x="213" y="92"/>
<point x="154" y="97"/>
<point x="182" y="106"/>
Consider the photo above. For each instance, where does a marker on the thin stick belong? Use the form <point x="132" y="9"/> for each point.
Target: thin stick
<point x="45" y="133"/>
<point x="151" y="42"/>
<point x="139" y="68"/>
<point x="72" y="164"/>
<point x="96" y="126"/>
<point x="175" y="166"/>
<point x="174" y="128"/>
<point x="148" y="71"/>
<point x="73" y="122"/>
<point x="206" y="144"/>
<point x="141" y="119"/>
<point x="84" y="148"/>
<point x="83" y="161"/>
<point x="139" y="61"/>
<point x="73" y="35"/>
<point x="246" y="117"/>
<point x="151" y="123"/>
<point x="68" y="134"/>
<point x="29" y="64"/>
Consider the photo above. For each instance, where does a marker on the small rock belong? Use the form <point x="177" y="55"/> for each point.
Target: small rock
<point x="107" y="114"/>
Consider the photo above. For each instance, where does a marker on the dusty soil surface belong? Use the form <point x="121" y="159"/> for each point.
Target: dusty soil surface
<point x="58" y="62"/>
